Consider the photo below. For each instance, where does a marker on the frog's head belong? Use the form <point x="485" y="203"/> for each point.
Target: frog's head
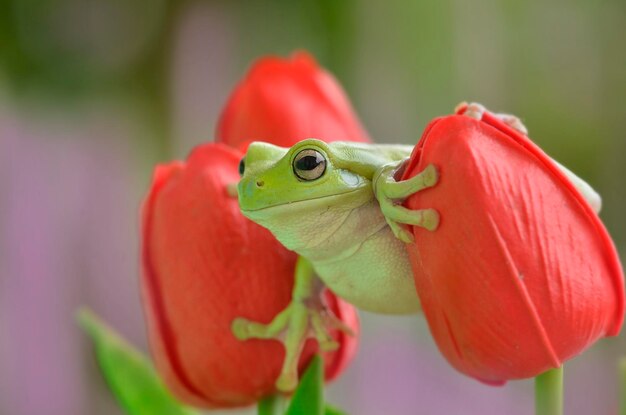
<point x="291" y="191"/>
<point x="299" y="177"/>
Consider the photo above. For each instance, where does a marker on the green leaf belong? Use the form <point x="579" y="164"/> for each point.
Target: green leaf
<point x="129" y="373"/>
<point x="309" y="396"/>
<point x="272" y="405"/>
<point x="331" y="410"/>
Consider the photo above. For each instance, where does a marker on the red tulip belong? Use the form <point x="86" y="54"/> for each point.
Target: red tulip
<point x="284" y="101"/>
<point x="520" y="275"/>
<point x="204" y="265"/>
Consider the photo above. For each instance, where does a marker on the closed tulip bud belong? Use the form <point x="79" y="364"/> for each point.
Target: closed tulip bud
<point x="204" y="265"/>
<point x="284" y="101"/>
<point x="520" y="274"/>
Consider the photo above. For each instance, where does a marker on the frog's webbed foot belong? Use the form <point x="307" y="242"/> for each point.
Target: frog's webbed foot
<point x="476" y="110"/>
<point x="390" y="195"/>
<point x="305" y="317"/>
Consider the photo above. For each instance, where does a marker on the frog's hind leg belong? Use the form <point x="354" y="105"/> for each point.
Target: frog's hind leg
<point x="390" y="195"/>
<point x="305" y="317"/>
<point x="476" y="110"/>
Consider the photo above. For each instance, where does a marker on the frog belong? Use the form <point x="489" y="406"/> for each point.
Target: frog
<point x="338" y="205"/>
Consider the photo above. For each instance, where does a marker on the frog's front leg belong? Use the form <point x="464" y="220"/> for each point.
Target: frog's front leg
<point x="390" y="195"/>
<point x="305" y="317"/>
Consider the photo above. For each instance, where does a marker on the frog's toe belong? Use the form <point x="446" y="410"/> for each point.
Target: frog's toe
<point x="328" y="346"/>
<point x="513" y="122"/>
<point x="333" y="322"/>
<point x="287" y="382"/>
<point x="321" y="326"/>
<point x="244" y="329"/>
<point x="386" y="187"/>
<point x="425" y="218"/>
<point x="430" y="175"/>
<point x="239" y="327"/>
<point x="430" y="219"/>
<point x="231" y="190"/>
<point x="460" y="106"/>
<point x="401" y="233"/>
<point x="474" y="110"/>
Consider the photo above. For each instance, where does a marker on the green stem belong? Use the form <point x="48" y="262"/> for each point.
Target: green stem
<point x="272" y="405"/>
<point x="622" y="390"/>
<point x="549" y="392"/>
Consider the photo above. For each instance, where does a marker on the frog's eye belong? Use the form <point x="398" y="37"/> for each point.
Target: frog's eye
<point x="242" y="166"/>
<point x="309" y="165"/>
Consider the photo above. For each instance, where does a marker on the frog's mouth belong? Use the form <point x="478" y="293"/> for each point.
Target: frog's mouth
<point x="347" y="200"/>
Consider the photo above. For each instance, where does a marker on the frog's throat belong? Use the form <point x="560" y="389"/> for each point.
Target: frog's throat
<point x="315" y="226"/>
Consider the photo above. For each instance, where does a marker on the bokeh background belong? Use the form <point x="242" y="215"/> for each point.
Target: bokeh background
<point x="93" y="93"/>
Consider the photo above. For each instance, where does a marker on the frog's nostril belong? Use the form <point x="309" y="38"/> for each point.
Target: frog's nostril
<point x="260" y="183"/>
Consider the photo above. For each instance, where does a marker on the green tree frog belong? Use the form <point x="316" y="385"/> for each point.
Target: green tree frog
<point x="338" y="206"/>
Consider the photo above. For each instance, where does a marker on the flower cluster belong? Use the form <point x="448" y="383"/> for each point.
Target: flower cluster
<point x="519" y="276"/>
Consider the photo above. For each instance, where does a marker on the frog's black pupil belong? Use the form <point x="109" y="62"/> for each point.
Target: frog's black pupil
<point x="309" y="162"/>
<point x="242" y="166"/>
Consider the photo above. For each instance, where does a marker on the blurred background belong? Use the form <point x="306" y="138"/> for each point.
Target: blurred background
<point x="93" y="93"/>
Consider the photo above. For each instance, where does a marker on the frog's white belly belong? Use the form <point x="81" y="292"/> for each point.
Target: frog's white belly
<point x="377" y="277"/>
<point x="359" y="258"/>
<point x="351" y="247"/>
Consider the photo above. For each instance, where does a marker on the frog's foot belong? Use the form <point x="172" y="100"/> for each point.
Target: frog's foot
<point x="292" y="327"/>
<point x="231" y="190"/>
<point x="305" y="317"/>
<point x="390" y="195"/>
<point x="476" y="110"/>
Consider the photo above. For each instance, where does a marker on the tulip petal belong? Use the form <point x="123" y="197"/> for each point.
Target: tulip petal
<point x="521" y="275"/>
<point x="284" y="101"/>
